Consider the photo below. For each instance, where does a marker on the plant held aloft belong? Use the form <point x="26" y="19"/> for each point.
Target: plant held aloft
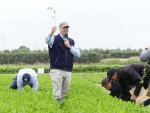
<point x="53" y="11"/>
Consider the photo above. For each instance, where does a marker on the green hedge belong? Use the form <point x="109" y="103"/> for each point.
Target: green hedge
<point x="124" y="54"/>
<point x="31" y="58"/>
<point x="86" y="58"/>
<point x="76" y="69"/>
<point x="28" y="58"/>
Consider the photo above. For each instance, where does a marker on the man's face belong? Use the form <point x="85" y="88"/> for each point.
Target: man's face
<point x="108" y="86"/>
<point x="114" y="77"/>
<point x="64" y="30"/>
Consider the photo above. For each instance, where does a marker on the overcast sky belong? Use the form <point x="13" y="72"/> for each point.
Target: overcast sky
<point x="93" y="23"/>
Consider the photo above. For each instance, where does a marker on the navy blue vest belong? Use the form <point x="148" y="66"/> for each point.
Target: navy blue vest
<point x="60" y="55"/>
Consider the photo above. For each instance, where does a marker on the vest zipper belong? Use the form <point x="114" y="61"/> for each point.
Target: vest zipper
<point x="56" y="60"/>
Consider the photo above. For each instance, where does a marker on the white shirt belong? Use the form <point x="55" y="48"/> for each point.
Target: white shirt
<point x="34" y="78"/>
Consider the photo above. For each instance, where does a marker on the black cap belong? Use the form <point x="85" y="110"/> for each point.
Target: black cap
<point x="26" y="79"/>
<point x="110" y="73"/>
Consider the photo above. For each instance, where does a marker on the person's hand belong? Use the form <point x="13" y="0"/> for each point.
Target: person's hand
<point x="66" y="42"/>
<point x="133" y="97"/>
<point x="53" y="29"/>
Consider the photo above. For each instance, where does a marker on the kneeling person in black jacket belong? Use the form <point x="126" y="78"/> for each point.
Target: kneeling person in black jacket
<point x="114" y="88"/>
<point x="131" y="74"/>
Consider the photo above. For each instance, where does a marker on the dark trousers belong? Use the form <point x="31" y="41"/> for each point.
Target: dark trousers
<point x="14" y="84"/>
<point x="145" y="85"/>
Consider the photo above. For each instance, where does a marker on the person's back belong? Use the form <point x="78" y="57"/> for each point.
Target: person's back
<point x="32" y="73"/>
<point x="138" y="67"/>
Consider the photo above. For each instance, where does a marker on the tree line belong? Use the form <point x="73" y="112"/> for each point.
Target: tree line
<point x="24" y="55"/>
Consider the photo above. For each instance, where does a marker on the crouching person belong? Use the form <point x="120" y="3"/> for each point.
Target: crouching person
<point x="114" y="88"/>
<point x="25" y="77"/>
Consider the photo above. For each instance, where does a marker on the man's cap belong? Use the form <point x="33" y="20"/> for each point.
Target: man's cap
<point x="26" y="79"/>
<point x="64" y="24"/>
<point x="110" y="73"/>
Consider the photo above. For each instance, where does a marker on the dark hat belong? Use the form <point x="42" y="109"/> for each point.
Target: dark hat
<point x="26" y="79"/>
<point x="110" y="73"/>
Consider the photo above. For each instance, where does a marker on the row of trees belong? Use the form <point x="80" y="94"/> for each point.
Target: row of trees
<point x="24" y="55"/>
<point x="24" y="49"/>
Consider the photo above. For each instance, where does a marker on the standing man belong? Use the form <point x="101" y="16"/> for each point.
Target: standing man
<point x="25" y="77"/>
<point x="130" y="74"/>
<point x="62" y="49"/>
<point x="145" y="55"/>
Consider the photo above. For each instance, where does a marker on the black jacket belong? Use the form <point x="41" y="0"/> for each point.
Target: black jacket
<point x="115" y="90"/>
<point x="132" y="74"/>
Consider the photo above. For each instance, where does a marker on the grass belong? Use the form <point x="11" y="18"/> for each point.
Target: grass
<point x="83" y="97"/>
<point x="93" y="78"/>
<point x="103" y="75"/>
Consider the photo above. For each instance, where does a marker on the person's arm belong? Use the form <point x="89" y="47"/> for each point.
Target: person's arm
<point x="136" y="78"/>
<point x="115" y="89"/>
<point x="75" y="51"/>
<point x="50" y="38"/>
<point x="145" y="55"/>
<point x="19" y="85"/>
<point x="115" y="93"/>
<point x="35" y="85"/>
<point x="123" y="86"/>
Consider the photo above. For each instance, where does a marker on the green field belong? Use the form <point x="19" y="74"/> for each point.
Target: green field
<point x="84" y="97"/>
